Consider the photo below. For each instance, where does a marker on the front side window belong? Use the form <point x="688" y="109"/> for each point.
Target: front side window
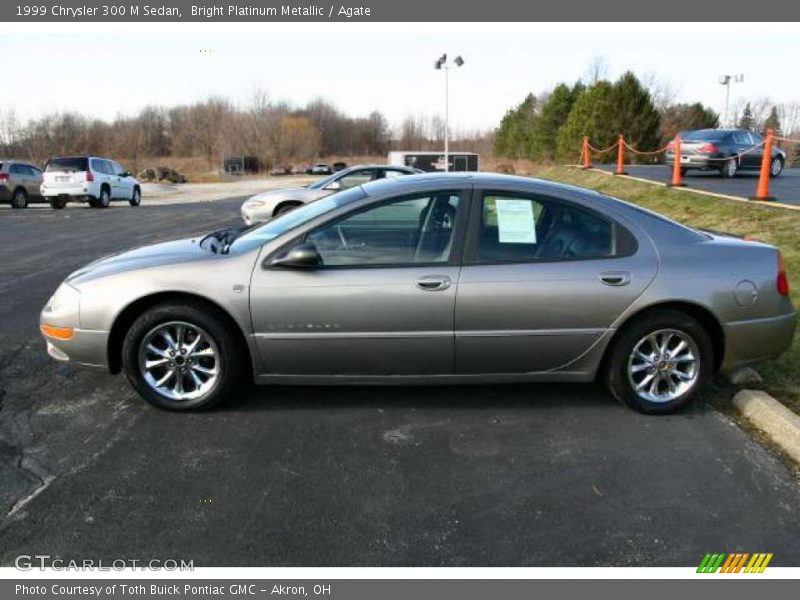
<point x="741" y="137"/>
<point x="411" y="230"/>
<point x="521" y="229"/>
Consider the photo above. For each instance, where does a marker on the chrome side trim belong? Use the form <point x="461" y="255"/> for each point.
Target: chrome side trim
<point x="338" y="335"/>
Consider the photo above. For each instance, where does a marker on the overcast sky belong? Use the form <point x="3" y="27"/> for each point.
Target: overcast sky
<point x="105" y="75"/>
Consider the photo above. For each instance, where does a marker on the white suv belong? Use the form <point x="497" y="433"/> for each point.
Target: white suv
<point x="90" y="179"/>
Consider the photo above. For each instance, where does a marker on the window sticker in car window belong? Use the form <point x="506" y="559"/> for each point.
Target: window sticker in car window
<point x="515" y="221"/>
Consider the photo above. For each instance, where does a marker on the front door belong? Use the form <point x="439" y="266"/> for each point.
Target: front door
<point x="542" y="280"/>
<point x="381" y="304"/>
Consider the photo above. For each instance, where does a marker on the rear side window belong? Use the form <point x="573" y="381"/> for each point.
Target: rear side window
<point x="69" y="165"/>
<point x="524" y="229"/>
<point x="100" y="166"/>
<point x="17" y="170"/>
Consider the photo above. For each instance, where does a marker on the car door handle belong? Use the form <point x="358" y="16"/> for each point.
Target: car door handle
<point x="433" y="283"/>
<point x="615" y="278"/>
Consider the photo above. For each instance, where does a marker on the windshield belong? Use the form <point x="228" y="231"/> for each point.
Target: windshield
<point x="321" y="183"/>
<point x="287" y="221"/>
<point x="704" y="135"/>
<point x="67" y="164"/>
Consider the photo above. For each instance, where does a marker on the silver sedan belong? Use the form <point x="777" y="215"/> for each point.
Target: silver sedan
<point x="263" y="207"/>
<point x="432" y="279"/>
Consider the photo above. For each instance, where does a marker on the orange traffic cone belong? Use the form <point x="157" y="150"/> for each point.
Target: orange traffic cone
<point x="676" y="167"/>
<point x="587" y="160"/>
<point x="621" y="156"/>
<point x="762" y="191"/>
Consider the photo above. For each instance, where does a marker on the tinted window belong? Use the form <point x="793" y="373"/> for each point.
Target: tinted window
<point x="741" y="137"/>
<point x="34" y="171"/>
<point x="519" y="229"/>
<point x="755" y="138"/>
<point x="69" y="164"/>
<point x="17" y="170"/>
<point x="411" y="230"/>
<point x="101" y="166"/>
<point x="704" y="135"/>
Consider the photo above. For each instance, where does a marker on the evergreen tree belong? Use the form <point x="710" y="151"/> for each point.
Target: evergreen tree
<point x="554" y="113"/>
<point x="512" y="137"/>
<point x="679" y="117"/>
<point x="773" y="120"/>
<point x="635" y="114"/>
<point x="593" y="114"/>
<point x="747" y="121"/>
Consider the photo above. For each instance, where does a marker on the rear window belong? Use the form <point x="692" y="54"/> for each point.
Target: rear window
<point x="67" y="164"/>
<point x="704" y="135"/>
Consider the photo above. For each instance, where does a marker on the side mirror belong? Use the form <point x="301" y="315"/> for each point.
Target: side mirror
<point x="334" y="186"/>
<point x="124" y="174"/>
<point x="303" y="256"/>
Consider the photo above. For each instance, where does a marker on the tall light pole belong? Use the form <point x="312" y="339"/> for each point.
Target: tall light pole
<point x="441" y="63"/>
<point x="726" y="80"/>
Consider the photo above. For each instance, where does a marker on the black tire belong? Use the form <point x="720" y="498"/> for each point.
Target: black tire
<point x="285" y="207"/>
<point x="57" y="203"/>
<point x="230" y="355"/>
<point x="136" y="199"/>
<point x="729" y="168"/>
<point x="19" y="199"/>
<point x="104" y="201"/>
<point x="616" y="365"/>
<point x="776" y="170"/>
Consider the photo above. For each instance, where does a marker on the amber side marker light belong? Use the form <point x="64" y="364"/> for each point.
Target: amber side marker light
<point x="60" y="333"/>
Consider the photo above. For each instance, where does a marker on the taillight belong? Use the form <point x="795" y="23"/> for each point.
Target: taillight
<point x="708" y="147"/>
<point x="3" y="176"/>
<point x="783" y="281"/>
<point x="89" y="175"/>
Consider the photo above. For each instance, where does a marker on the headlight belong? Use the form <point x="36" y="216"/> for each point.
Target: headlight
<point x="66" y="298"/>
<point x="254" y="203"/>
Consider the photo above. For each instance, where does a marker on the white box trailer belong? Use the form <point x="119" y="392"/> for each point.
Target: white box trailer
<point x="434" y="161"/>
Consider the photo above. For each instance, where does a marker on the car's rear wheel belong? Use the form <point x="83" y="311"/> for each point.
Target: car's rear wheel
<point x="136" y="199"/>
<point x="104" y="200"/>
<point x="729" y="168"/>
<point x="182" y="357"/>
<point x="776" y="167"/>
<point x="19" y="199"/>
<point x="659" y="362"/>
<point x="57" y="203"/>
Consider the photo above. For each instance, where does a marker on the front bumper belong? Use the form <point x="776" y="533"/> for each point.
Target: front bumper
<point x="757" y="340"/>
<point x="251" y="216"/>
<point x="86" y="348"/>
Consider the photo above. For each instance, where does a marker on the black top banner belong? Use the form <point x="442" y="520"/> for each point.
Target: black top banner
<point x="396" y="11"/>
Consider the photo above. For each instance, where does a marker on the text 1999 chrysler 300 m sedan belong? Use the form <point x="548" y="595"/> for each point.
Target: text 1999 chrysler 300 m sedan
<point x="432" y="278"/>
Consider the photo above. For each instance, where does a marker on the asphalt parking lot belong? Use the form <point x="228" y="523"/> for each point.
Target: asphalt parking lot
<point x="785" y="188"/>
<point x="548" y="475"/>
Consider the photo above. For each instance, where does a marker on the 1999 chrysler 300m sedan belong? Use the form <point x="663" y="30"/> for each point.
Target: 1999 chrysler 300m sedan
<point x="427" y="279"/>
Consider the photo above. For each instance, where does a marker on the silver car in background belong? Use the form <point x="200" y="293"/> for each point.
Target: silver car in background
<point x="448" y="278"/>
<point x="263" y="207"/>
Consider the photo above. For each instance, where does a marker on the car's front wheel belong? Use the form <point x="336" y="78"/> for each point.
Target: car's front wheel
<point x="182" y="357"/>
<point x="136" y="199"/>
<point x="659" y="362"/>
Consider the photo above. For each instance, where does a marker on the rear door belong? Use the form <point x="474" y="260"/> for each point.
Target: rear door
<point x="543" y="279"/>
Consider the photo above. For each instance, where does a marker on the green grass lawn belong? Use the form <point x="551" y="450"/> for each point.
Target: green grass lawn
<point x="774" y="225"/>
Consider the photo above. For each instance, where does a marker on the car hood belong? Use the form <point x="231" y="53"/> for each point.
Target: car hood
<point x="296" y="193"/>
<point x="155" y="255"/>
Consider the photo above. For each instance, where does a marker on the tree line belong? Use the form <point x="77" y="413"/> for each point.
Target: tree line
<point x="275" y="132"/>
<point x="550" y="126"/>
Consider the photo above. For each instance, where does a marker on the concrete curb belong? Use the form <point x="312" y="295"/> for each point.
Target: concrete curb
<point x="780" y="424"/>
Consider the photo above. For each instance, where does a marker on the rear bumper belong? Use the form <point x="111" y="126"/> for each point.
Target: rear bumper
<point x="757" y="340"/>
<point x="696" y="161"/>
<point x="80" y="192"/>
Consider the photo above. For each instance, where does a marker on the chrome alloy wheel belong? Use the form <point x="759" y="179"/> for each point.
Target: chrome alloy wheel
<point x="731" y="167"/>
<point x="179" y="361"/>
<point x="664" y="365"/>
<point x="776" y="166"/>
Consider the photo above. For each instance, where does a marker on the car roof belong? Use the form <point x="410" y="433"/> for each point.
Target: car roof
<point x="379" y="166"/>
